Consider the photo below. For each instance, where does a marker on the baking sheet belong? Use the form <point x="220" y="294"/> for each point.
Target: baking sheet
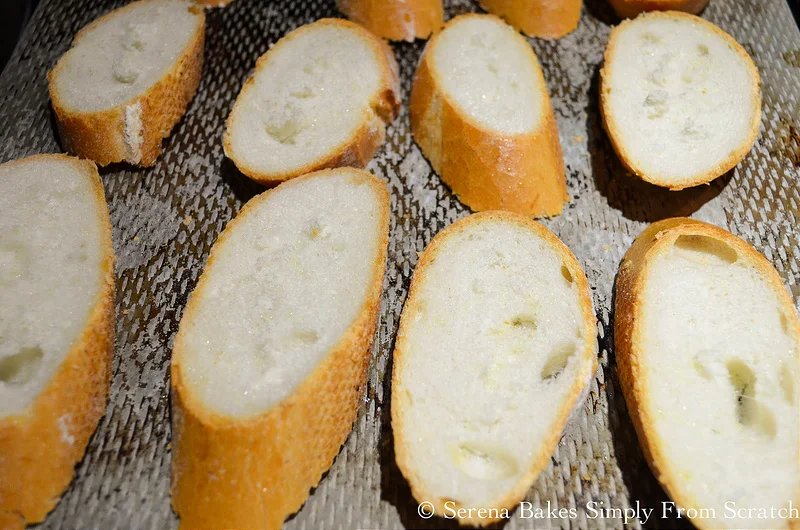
<point x="166" y="218"/>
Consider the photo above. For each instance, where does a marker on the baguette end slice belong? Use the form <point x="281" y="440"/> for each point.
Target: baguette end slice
<point x="654" y="141"/>
<point x="401" y="20"/>
<point x="707" y="246"/>
<point x="267" y="462"/>
<point x="41" y="445"/>
<point x="520" y="171"/>
<point x="483" y="468"/>
<point x="540" y="18"/>
<point x="632" y="8"/>
<point x="355" y="150"/>
<point x="132" y="131"/>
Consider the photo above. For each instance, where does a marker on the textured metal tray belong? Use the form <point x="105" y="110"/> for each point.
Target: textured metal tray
<point x="166" y="218"/>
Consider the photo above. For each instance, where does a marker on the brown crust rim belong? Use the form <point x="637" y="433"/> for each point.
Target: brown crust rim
<point x="398" y="20"/>
<point x="213" y="3"/>
<point x="544" y="19"/>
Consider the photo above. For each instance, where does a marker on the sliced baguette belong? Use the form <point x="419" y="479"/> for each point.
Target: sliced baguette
<point x="321" y="97"/>
<point x="549" y="19"/>
<point x="680" y="99"/>
<point x="56" y="326"/>
<point x="707" y="344"/>
<point x="127" y="80"/>
<point x="496" y="346"/>
<point x="269" y="364"/>
<point x="396" y="19"/>
<point x="481" y="114"/>
<point x="632" y="8"/>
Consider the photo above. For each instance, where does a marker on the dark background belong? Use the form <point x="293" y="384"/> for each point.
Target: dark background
<point x="14" y="14"/>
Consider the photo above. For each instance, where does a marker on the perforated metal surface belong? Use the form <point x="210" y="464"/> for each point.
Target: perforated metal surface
<point x="166" y="218"/>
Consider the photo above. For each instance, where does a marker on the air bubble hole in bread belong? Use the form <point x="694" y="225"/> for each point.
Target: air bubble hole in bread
<point x="56" y="326"/>
<point x="481" y="114"/>
<point x="321" y="97"/>
<point x="700" y="311"/>
<point x="499" y="308"/>
<point x="680" y="99"/>
<point x="269" y="364"/>
<point x="20" y="367"/>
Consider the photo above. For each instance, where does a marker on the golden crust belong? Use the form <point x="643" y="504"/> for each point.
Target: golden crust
<point x="549" y="19"/>
<point x="100" y="136"/>
<point x="633" y="272"/>
<point x="294" y="443"/>
<point x="396" y="19"/>
<point x="522" y="173"/>
<point x="400" y="399"/>
<point x="11" y="521"/>
<point x="213" y="3"/>
<point x="632" y="8"/>
<point x="355" y="151"/>
<point x="37" y="462"/>
<point x="617" y="138"/>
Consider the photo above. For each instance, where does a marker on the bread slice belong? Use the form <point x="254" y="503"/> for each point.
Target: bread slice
<point x="538" y="18"/>
<point x="496" y="347"/>
<point x="707" y="345"/>
<point x="269" y="364"/>
<point x="127" y="80"/>
<point x="319" y="98"/>
<point x="56" y="327"/>
<point x="481" y="114"/>
<point x="632" y="8"/>
<point x="680" y="99"/>
<point x="396" y="19"/>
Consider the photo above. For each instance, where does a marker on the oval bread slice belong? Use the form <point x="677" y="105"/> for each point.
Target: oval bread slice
<point x="481" y="114"/>
<point x="496" y="345"/>
<point x="680" y="99"/>
<point x="56" y="326"/>
<point x="631" y="8"/>
<point x="127" y="80"/>
<point x="321" y="97"/>
<point x="396" y="19"/>
<point x="269" y="364"/>
<point x="707" y="344"/>
<point x="538" y="18"/>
